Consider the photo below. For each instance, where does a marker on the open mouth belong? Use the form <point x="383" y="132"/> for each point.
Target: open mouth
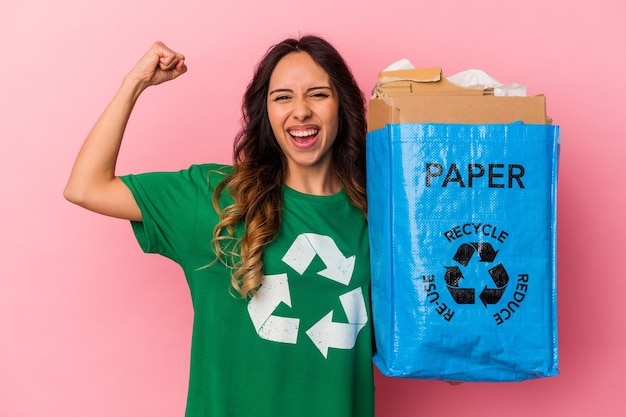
<point x="304" y="138"/>
<point x="303" y="134"/>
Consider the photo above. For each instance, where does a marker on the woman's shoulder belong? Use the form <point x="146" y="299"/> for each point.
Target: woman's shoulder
<point x="212" y="169"/>
<point x="209" y="171"/>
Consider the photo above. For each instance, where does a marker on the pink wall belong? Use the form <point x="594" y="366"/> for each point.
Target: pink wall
<point x="89" y="326"/>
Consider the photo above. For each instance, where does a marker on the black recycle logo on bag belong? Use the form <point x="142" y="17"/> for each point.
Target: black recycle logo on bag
<point x="454" y="274"/>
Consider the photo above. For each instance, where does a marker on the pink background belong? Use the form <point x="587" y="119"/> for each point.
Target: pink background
<point x="90" y="326"/>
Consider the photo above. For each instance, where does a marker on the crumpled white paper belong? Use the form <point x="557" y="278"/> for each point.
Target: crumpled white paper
<point x="474" y="78"/>
<point x="402" y="64"/>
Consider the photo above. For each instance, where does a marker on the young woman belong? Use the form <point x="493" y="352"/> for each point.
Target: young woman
<point x="274" y="248"/>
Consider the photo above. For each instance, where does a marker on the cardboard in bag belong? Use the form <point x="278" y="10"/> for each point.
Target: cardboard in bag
<point x="426" y="96"/>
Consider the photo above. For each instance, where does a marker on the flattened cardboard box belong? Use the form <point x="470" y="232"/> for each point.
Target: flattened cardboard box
<point x="425" y="96"/>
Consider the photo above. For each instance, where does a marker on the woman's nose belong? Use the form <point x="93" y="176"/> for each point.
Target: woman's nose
<point x="301" y="110"/>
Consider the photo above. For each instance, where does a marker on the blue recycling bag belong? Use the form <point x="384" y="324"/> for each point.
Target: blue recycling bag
<point x="462" y="224"/>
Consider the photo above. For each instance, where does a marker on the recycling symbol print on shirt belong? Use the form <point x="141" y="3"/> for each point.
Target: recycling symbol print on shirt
<point x="324" y="333"/>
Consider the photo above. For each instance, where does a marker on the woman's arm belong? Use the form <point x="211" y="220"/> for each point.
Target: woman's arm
<point x="93" y="183"/>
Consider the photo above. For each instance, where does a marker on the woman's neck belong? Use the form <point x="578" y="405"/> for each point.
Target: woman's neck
<point x="314" y="181"/>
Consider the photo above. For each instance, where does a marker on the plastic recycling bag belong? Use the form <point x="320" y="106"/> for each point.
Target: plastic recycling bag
<point x="462" y="224"/>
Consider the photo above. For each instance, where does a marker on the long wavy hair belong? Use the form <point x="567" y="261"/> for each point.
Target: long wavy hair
<point x="260" y="166"/>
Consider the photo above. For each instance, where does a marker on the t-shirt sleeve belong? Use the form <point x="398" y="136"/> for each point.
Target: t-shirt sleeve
<point x="169" y="204"/>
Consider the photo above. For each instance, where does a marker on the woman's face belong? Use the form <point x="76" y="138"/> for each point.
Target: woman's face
<point x="303" y="109"/>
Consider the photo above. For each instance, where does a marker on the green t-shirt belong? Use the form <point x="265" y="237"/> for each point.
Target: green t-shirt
<point x="303" y="345"/>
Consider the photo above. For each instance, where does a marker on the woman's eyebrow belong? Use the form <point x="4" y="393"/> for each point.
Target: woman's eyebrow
<point x="321" y="87"/>
<point x="281" y="90"/>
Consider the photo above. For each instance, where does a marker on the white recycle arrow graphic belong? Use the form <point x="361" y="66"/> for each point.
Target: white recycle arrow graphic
<point x="274" y="290"/>
<point x="307" y="245"/>
<point x="326" y="333"/>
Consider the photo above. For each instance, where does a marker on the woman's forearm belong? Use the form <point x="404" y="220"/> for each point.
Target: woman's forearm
<point x="93" y="183"/>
